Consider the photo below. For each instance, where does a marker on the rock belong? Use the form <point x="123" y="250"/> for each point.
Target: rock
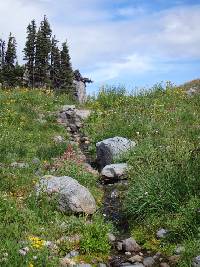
<point x="119" y="246"/>
<point x="102" y="265"/>
<point x="157" y="256"/>
<point x="130" y="245"/>
<point x="20" y="165"/>
<point x="24" y="251"/>
<point x="80" y="91"/>
<point x="179" y="250"/>
<point x="126" y="264"/>
<point x="111" y="238"/>
<point x="136" y="258"/>
<point x="164" y="264"/>
<point x="68" y="107"/>
<point x="58" y="139"/>
<point x="83" y="265"/>
<point x="114" y="170"/>
<point x="148" y="262"/>
<point x="36" y="161"/>
<point x="111" y="149"/>
<point x="174" y="259"/>
<point x="162" y="233"/>
<point x="72" y="196"/>
<point x="196" y="261"/>
<point x="127" y="253"/>
<point x="66" y="262"/>
<point x="192" y="91"/>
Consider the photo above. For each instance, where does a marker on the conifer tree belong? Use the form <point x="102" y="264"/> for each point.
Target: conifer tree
<point x="55" y="64"/>
<point x="2" y="58"/>
<point x="42" y="56"/>
<point x="66" y="70"/>
<point x="9" y="64"/>
<point x="29" y="52"/>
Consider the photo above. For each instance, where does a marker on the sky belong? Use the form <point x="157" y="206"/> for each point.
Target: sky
<point x="133" y="43"/>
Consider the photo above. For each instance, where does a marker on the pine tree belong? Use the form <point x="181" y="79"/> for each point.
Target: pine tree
<point x="9" y="64"/>
<point x="55" y="64"/>
<point x="2" y="58"/>
<point x="66" y="70"/>
<point x="42" y="56"/>
<point x="29" y="52"/>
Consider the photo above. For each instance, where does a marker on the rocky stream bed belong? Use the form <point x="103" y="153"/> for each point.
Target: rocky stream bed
<point x="125" y="250"/>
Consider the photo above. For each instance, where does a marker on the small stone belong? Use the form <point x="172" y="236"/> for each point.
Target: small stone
<point x="164" y="264"/>
<point x="58" y="139"/>
<point x="65" y="262"/>
<point x="102" y="265"/>
<point x="119" y="246"/>
<point x="149" y="262"/>
<point x="162" y="233"/>
<point x="36" y="161"/>
<point x="131" y="245"/>
<point x="197" y="259"/>
<point x="179" y="250"/>
<point x="20" y="165"/>
<point x="136" y="258"/>
<point x="157" y="256"/>
<point x="174" y="259"/>
<point x="114" y="170"/>
<point x="74" y="253"/>
<point x="24" y="251"/>
<point x="127" y="253"/>
<point x="111" y="238"/>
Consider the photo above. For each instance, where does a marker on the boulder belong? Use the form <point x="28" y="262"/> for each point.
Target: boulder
<point x="111" y="149"/>
<point x="72" y="197"/>
<point x="130" y="245"/>
<point x="149" y="262"/>
<point x="114" y="170"/>
<point x="80" y="91"/>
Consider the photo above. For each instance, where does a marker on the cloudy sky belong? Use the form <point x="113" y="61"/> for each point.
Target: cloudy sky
<point x="127" y="42"/>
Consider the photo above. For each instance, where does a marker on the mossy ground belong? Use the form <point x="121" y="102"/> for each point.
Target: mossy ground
<point x="28" y="124"/>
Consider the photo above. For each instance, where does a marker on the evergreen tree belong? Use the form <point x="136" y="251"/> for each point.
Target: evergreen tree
<point x="29" y="52"/>
<point x="66" y="70"/>
<point x="9" y="64"/>
<point x="55" y="64"/>
<point x="42" y="56"/>
<point x="2" y="58"/>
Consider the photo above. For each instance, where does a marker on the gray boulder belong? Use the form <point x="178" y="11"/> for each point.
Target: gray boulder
<point x="149" y="262"/>
<point x="114" y="170"/>
<point x="80" y="91"/>
<point x="130" y="245"/>
<point x="111" y="149"/>
<point x="72" y="197"/>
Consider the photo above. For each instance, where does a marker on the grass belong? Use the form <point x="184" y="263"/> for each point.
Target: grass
<point x="28" y="125"/>
<point x="164" y="167"/>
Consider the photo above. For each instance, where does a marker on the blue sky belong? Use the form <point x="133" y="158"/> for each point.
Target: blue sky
<point x="135" y="43"/>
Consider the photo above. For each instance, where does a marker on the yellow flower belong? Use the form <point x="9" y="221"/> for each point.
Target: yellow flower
<point x="36" y="242"/>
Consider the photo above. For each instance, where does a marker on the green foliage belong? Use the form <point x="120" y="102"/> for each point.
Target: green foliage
<point x="28" y="125"/>
<point x="164" y="167"/>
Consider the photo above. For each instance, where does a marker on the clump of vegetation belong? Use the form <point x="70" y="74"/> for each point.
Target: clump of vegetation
<point x="28" y="127"/>
<point x="165" y="165"/>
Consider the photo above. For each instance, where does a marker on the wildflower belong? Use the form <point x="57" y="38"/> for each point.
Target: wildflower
<point x="36" y="242"/>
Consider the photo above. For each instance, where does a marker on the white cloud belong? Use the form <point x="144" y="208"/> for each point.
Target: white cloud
<point x="107" y="42"/>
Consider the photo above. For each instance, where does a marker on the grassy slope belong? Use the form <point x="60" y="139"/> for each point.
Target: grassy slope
<point x="165" y="166"/>
<point x="27" y="128"/>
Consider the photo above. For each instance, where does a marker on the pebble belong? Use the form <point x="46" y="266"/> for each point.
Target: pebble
<point x="174" y="259"/>
<point x="136" y="258"/>
<point x="111" y="238"/>
<point x="119" y="246"/>
<point x="162" y="233"/>
<point x="131" y="245"/>
<point x="148" y="262"/>
<point x="164" y="264"/>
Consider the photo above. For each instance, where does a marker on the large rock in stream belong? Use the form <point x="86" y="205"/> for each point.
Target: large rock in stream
<point x="112" y="148"/>
<point x="72" y="197"/>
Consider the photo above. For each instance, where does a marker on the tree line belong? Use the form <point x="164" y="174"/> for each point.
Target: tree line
<point x="46" y="65"/>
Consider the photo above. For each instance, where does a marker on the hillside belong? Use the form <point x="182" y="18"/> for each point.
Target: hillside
<point x="163" y="178"/>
